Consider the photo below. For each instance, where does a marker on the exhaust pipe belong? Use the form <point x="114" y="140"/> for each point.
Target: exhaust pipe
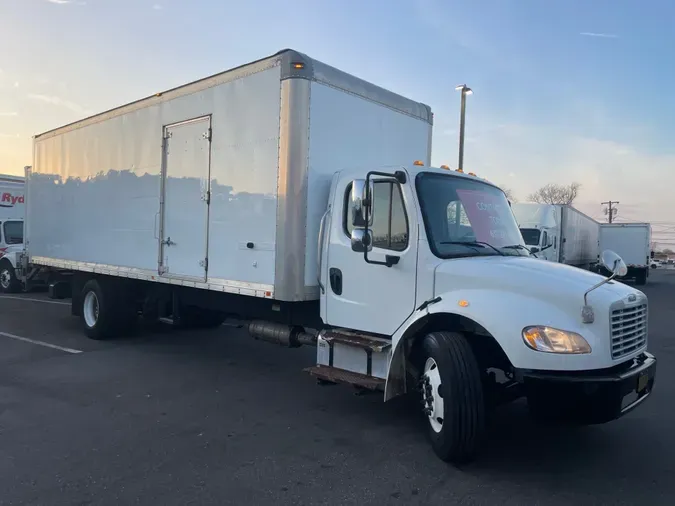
<point x="278" y="333"/>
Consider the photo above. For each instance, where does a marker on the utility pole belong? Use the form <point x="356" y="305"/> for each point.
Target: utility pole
<point x="462" y="119"/>
<point x="611" y="211"/>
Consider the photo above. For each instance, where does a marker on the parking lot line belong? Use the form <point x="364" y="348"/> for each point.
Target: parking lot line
<point x="35" y="300"/>
<point x="40" y="343"/>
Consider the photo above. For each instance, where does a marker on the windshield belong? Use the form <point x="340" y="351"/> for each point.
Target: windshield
<point x="465" y="217"/>
<point x="13" y="231"/>
<point x="531" y="236"/>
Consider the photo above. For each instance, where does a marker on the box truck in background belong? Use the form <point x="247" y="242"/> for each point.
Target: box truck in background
<point x="559" y="233"/>
<point x="12" y="211"/>
<point x="632" y="241"/>
<point x="299" y="198"/>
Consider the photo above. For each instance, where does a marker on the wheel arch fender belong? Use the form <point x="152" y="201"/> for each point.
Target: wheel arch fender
<point x="497" y="315"/>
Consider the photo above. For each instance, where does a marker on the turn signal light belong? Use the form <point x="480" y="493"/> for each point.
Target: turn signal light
<point x="459" y="170"/>
<point x="418" y="163"/>
<point x="445" y="167"/>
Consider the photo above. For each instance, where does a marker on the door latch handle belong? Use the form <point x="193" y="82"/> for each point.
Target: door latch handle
<point x="168" y="242"/>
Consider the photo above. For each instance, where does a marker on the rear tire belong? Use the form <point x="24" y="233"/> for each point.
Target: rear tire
<point x="452" y="396"/>
<point x="104" y="310"/>
<point x="9" y="283"/>
<point x="192" y="317"/>
<point x="641" y="278"/>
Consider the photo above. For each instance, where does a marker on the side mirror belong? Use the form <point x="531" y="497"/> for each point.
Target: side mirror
<point x="534" y="249"/>
<point x="361" y="241"/>
<point x="652" y="254"/>
<point x="614" y="263"/>
<point x="360" y="200"/>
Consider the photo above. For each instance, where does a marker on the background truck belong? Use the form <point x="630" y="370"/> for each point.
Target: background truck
<point x="299" y="199"/>
<point x="633" y="242"/>
<point x="559" y="233"/>
<point x="12" y="210"/>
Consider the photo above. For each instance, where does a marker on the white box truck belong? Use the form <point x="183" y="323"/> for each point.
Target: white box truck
<point x="559" y="233"/>
<point x="11" y="228"/>
<point x="299" y="198"/>
<point x="632" y="241"/>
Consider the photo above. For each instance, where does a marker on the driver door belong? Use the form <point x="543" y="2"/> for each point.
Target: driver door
<point x="368" y="297"/>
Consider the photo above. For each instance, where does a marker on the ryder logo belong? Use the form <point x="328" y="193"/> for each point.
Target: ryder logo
<point x="9" y="200"/>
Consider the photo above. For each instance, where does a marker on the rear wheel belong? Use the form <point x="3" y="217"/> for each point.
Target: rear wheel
<point x="641" y="278"/>
<point x="104" y="311"/>
<point x="452" y="396"/>
<point x="9" y="283"/>
<point x="192" y="317"/>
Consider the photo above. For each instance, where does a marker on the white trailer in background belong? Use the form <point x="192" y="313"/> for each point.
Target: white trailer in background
<point x="298" y="197"/>
<point x="632" y="241"/>
<point x="559" y="233"/>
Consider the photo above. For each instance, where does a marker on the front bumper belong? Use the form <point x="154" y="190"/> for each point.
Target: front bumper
<point x="597" y="396"/>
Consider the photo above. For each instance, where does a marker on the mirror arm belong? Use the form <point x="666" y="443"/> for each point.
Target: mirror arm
<point x="604" y="281"/>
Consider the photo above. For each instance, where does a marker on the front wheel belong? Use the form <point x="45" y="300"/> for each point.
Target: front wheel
<point x="452" y="396"/>
<point x="9" y="283"/>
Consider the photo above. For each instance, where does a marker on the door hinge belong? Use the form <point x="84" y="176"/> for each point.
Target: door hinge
<point x="204" y="263"/>
<point x="207" y="135"/>
<point x="162" y="269"/>
<point x="206" y="197"/>
<point x="168" y="134"/>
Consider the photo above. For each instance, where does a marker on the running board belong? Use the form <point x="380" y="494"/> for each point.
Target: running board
<point x="356" y="340"/>
<point x="335" y="375"/>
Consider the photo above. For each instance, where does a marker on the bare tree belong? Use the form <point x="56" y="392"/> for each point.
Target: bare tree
<point x="556" y="194"/>
<point x="509" y="194"/>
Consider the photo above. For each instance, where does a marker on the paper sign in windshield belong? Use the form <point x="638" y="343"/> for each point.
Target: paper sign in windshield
<point x="487" y="215"/>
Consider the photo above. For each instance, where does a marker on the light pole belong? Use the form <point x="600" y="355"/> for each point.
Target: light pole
<point x="465" y="90"/>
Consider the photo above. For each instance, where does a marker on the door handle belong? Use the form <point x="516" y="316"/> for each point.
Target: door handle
<point x="335" y="277"/>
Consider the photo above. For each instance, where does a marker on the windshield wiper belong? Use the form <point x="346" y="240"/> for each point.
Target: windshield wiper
<point x="519" y="246"/>
<point x="480" y="244"/>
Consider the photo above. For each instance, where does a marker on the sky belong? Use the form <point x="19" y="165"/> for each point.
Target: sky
<point x="564" y="91"/>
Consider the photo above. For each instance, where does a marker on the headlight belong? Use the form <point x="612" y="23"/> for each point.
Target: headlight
<point x="551" y="340"/>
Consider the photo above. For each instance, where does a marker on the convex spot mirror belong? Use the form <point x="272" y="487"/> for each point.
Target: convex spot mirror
<point x="614" y="263"/>
<point x="361" y="241"/>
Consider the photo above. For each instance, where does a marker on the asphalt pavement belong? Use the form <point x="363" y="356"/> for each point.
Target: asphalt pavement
<point x="213" y="417"/>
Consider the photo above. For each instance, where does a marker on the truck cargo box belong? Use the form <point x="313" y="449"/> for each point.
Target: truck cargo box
<point x="563" y="233"/>
<point x="220" y="184"/>
<point x="632" y="241"/>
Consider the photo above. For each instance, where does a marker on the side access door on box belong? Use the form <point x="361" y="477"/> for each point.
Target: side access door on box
<point x="184" y="200"/>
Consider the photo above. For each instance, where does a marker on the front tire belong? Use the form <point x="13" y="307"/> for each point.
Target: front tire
<point x="9" y="283"/>
<point x="452" y="396"/>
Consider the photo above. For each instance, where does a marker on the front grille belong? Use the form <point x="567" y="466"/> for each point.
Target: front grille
<point x="629" y="330"/>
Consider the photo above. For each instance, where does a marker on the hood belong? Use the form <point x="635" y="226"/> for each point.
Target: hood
<point x="538" y="278"/>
